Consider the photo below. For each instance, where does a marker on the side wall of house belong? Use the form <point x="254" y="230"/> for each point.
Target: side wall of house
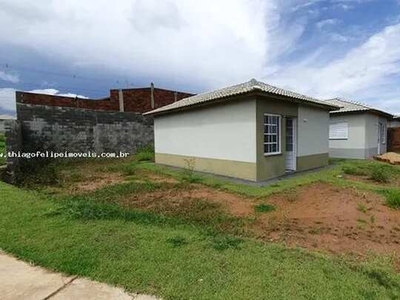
<point x="219" y="139"/>
<point x="372" y="136"/>
<point x="80" y="130"/>
<point x="355" y="146"/>
<point x="312" y="138"/>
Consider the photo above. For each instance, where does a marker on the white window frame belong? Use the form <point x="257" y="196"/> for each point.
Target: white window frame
<point x="278" y="134"/>
<point x="344" y="137"/>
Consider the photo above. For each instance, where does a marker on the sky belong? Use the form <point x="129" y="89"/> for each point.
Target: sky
<point x="321" y="48"/>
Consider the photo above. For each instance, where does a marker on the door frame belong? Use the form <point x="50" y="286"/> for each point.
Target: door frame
<point x="294" y="135"/>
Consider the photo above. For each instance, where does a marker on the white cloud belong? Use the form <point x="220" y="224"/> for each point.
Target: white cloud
<point x="9" y="77"/>
<point x="212" y="42"/>
<point x="363" y="73"/>
<point x="55" y="92"/>
<point x="327" y="22"/>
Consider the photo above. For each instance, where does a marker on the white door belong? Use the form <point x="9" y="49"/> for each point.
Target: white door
<point x="381" y="138"/>
<point x="291" y="142"/>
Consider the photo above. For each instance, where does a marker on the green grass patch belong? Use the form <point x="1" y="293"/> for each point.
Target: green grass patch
<point x="262" y="208"/>
<point x="393" y="199"/>
<point x="145" y="153"/>
<point x="381" y="173"/>
<point x="125" y="248"/>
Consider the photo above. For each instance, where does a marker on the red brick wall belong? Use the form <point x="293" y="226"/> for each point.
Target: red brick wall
<point x="394" y="139"/>
<point x="135" y="100"/>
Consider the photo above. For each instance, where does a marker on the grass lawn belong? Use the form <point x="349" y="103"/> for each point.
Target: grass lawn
<point x="2" y="148"/>
<point x="197" y="252"/>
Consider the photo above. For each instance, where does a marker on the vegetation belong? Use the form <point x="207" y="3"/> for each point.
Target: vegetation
<point x="145" y="153"/>
<point x="393" y="199"/>
<point x="264" y="208"/>
<point x="115" y="234"/>
<point x="2" y="149"/>
<point x="148" y="253"/>
<point x="380" y="174"/>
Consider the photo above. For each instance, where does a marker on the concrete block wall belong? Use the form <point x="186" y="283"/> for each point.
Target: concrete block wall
<point x="62" y="129"/>
<point x="13" y="144"/>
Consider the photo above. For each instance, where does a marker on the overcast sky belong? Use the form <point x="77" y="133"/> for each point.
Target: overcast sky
<point x="322" y="48"/>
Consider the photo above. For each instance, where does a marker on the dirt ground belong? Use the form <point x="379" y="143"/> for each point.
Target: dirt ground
<point x="319" y="216"/>
<point x="337" y="220"/>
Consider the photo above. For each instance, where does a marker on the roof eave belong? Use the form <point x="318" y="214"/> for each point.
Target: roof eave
<point x="255" y="92"/>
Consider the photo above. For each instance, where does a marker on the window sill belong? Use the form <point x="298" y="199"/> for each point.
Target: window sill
<point x="273" y="154"/>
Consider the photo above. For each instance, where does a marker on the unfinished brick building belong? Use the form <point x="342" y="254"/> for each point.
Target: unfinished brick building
<point x="139" y="100"/>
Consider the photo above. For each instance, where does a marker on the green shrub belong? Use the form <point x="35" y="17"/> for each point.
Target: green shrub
<point x="393" y="199"/>
<point x="380" y="174"/>
<point x="264" y="208"/>
<point x="352" y="170"/>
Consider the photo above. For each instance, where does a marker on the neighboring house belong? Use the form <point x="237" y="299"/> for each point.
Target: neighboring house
<point x="252" y="131"/>
<point x="3" y="119"/>
<point x="357" y="130"/>
<point x="394" y="122"/>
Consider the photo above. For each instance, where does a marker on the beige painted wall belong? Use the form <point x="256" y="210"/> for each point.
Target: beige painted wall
<point x="225" y="131"/>
<point x="362" y="139"/>
<point x="273" y="165"/>
<point x="313" y="131"/>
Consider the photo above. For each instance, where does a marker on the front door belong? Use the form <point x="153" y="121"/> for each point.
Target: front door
<point x="290" y="144"/>
<point x="381" y="138"/>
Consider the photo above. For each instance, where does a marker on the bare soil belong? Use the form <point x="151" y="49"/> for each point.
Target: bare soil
<point x="332" y="219"/>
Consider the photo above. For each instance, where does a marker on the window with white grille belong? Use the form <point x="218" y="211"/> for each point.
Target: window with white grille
<point x="339" y="131"/>
<point x="272" y="132"/>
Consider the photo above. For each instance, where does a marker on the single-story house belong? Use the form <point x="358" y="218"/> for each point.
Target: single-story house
<point x="357" y="130"/>
<point x="252" y="131"/>
<point x="394" y="122"/>
<point x="3" y="120"/>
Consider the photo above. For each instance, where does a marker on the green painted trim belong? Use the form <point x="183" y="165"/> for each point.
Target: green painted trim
<point x="230" y="168"/>
<point x="312" y="161"/>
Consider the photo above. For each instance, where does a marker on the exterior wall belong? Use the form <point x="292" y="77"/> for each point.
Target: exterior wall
<point x="355" y="146"/>
<point x="312" y="138"/>
<point x="363" y="136"/>
<point x="272" y="166"/>
<point x="135" y="100"/>
<point x="394" y="124"/>
<point x="79" y="130"/>
<point x="2" y="126"/>
<point x="394" y="139"/>
<point x="13" y="144"/>
<point x="218" y="138"/>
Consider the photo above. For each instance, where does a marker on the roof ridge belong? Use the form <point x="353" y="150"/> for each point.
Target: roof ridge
<point x="353" y="102"/>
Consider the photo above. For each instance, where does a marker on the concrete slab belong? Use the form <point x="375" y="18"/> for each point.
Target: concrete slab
<point x="19" y="280"/>
<point x="85" y="289"/>
<point x="22" y="281"/>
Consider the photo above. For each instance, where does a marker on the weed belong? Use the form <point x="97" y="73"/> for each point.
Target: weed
<point x="291" y="195"/>
<point x="393" y="199"/>
<point x="222" y="243"/>
<point x="362" y="207"/>
<point x="264" y="208"/>
<point x="372" y="219"/>
<point x="380" y="174"/>
<point x="353" y="170"/>
<point x="188" y="173"/>
<point x="145" y="153"/>
<point x="177" y="241"/>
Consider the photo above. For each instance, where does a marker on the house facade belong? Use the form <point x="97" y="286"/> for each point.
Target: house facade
<point x="357" y="131"/>
<point x="251" y="131"/>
